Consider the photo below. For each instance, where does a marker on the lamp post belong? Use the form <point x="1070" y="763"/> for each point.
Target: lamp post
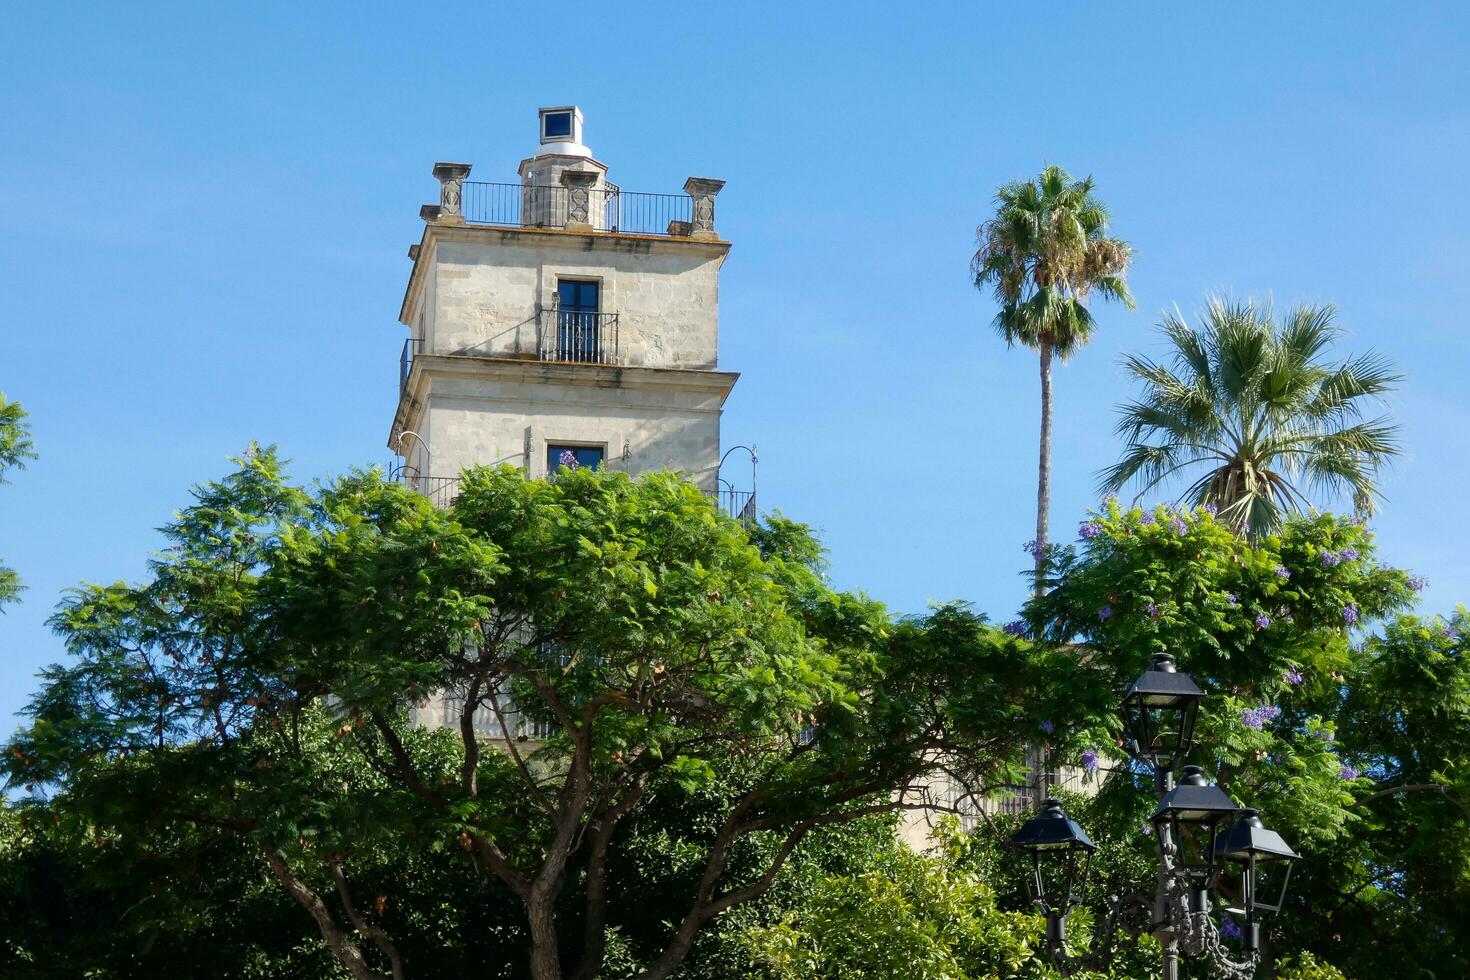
<point x="1204" y="843"/>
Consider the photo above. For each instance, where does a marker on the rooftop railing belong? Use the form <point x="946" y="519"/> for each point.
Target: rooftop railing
<point x="582" y="201"/>
<point x="609" y="209"/>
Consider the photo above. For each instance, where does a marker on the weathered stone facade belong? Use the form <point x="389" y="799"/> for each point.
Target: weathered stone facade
<point x="484" y="381"/>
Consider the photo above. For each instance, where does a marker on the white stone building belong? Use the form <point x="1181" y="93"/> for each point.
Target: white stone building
<point x="559" y="314"/>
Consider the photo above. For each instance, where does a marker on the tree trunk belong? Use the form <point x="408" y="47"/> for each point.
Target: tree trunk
<point x="1043" y="471"/>
<point x="541" y="917"/>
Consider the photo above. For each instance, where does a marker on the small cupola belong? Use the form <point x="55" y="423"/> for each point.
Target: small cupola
<point x="561" y="132"/>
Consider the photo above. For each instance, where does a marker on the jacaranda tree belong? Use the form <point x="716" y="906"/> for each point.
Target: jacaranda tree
<point x="1353" y="745"/>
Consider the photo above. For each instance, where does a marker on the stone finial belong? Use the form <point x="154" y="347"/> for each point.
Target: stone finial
<point x="702" y="191"/>
<point x="579" y="184"/>
<point x="451" y="187"/>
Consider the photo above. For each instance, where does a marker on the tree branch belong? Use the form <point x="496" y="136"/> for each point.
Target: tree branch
<point x="343" y="948"/>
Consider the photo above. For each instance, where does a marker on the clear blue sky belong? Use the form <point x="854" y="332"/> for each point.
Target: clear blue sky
<point x="206" y="208"/>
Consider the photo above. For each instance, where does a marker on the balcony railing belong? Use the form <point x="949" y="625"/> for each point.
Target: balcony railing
<point x="411" y="349"/>
<point x="579" y="337"/>
<point x="609" y="208"/>
<point x="739" y="504"/>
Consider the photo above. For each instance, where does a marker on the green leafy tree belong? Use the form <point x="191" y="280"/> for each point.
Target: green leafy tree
<point x="256" y="689"/>
<point x="1334" y="741"/>
<point x="1045" y="253"/>
<point x="15" y="449"/>
<point x="930" y="916"/>
<point x="1259" y="418"/>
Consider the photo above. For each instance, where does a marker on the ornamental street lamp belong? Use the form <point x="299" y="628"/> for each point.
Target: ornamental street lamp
<point x="1061" y="856"/>
<point x="1159" y="713"/>
<point x="1204" y="842"/>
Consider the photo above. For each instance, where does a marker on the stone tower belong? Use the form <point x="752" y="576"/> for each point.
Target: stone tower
<point x="559" y="317"/>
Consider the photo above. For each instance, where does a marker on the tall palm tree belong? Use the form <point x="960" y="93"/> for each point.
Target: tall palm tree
<point x="1045" y="252"/>
<point x="1259" y="408"/>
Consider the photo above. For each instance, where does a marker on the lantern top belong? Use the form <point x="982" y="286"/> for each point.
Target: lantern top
<point x="1052" y="829"/>
<point x="1195" y="800"/>
<point x="1163" y="686"/>
<point x="1248" y="836"/>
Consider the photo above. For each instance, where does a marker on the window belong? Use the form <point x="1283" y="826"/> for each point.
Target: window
<point x="562" y="457"/>
<point x="556" y="125"/>
<point x="577" y="323"/>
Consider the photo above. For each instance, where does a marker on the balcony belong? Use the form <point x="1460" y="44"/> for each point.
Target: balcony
<point x="563" y="336"/>
<point x="577" y="337"/>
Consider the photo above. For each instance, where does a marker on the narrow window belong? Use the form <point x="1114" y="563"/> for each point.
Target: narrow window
<point x="559" y="457"/>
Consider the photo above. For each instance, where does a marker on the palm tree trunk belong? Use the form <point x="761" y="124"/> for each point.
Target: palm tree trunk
<point x="1043" y="470"/>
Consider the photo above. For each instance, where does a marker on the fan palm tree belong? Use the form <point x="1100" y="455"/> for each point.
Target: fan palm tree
<point x="1044" y="253"/>
<point x="1260" y="409"/>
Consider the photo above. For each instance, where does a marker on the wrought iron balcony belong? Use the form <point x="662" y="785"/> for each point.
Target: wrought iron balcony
<point x="578" y="337"/>
<point x="609" y="208"/>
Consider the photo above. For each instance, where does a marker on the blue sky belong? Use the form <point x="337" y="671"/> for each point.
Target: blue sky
<point x="206" y="208"/>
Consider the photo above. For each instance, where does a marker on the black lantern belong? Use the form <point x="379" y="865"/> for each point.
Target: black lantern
<point x="1191" y="814"/>
<point x="1264" y="860"/>
<point x="1159" y="712"/>
<point x="1061" y="857"/>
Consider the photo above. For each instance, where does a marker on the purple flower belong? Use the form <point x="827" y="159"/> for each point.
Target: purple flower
<point x="1448" y="632"/>
<point x="1229" y="930"/>
<point x="1090" y="529"/>
<point x="1257" y="718"/>
<point x="1350" y="614"/>
<point x="1347" y="771"/>
<point x="1232" y="598"/>
<point x="1292" y="677"/>
<point x="1148" y="830"/>
<point x="1089" y="760"/>
<point x="1328" y="735"/>
<point x="1147" y="519"/>
<point x="1331" y="558"/>
<point x="1178" y="526"/>
<point x="1047" y="727"/>
<point x="1033" y="548"/>
<point x="1418" y="582"/>
<point x="1152" y="609"/>
<point x="568" y="459"/>
<point x="1282" y="572"/>
<point x="1348" y="554"/>
<point x="1015" y="627"/>
<point x="1262" y="621"/>
<point x="1104" y="613"/>
<point x="1211" y="509"/>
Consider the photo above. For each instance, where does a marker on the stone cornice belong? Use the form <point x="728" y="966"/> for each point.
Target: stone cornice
<point x="550" y="373"/>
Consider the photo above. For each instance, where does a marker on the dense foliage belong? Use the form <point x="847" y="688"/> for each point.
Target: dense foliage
<point x="1353" y="745"/>
<point x="251" y="695"/>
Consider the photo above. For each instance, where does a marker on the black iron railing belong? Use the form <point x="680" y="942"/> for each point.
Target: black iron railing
<point x="739" y="504"/>
<point x="411" y="349"/>
<point x="441" y="490"/>
<point x="609" y="208"/>
<point x="580" y="337"/>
